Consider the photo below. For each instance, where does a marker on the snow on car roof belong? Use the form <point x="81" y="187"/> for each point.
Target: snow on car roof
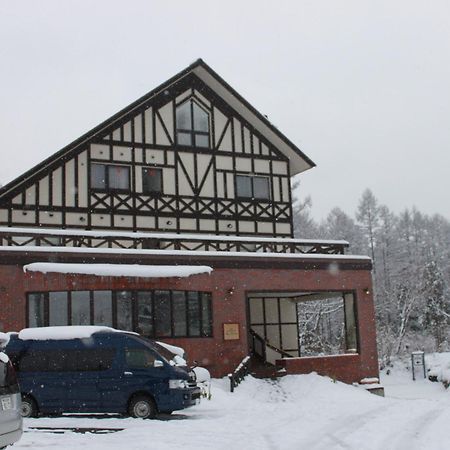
<point x="62" y="332"/>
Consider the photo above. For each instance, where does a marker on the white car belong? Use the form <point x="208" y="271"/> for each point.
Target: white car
<point x="10" y="402"/>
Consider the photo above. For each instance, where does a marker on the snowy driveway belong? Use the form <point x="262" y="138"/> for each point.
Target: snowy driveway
<point x="300" y="412"/>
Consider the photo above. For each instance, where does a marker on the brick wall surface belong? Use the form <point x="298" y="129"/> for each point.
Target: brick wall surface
<point x="229" y="289"/>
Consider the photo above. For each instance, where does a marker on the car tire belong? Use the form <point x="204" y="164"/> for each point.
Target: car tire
<point x="142" y="407"/>
<point x="29" y="407"/>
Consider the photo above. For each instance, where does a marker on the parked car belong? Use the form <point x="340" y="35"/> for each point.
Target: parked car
<point x="89" y="369"/>
<point x="10" y="418"/>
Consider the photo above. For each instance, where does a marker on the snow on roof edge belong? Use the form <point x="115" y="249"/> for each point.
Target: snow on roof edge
<point x="118" y="270"/>
<point x="189" y="236"/>
<point x="123" y="251"/>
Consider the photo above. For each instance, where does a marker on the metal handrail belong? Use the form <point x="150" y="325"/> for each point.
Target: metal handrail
<point x="241" y="371"/>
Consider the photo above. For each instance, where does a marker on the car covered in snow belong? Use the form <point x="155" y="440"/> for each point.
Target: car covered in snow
<point x="10" y="418"/>
<point x="90" y="369"/>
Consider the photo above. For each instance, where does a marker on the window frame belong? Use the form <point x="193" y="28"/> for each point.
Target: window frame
<point x="252" y="187"/>
<point x="204" y="308"/>
<point x="161" y="180"/>
<point x="192" y="132"/>
<point x="107" y="185"/>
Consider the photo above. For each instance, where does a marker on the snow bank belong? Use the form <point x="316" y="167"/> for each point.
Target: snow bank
<point x="62" y="333"/>
<point x="118" y="270"/>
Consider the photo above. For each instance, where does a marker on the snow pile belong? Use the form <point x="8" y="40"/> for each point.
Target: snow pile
<point x="4" y="339"/>
<point x="118" y="270"/>
<point x="62" y="333"/>
<point x="439" y="367"/>
<point x="173" y="349"/>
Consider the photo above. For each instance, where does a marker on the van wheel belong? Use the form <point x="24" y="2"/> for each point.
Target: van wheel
<point x="29" y="407"/>
<point x="142" y="407"/>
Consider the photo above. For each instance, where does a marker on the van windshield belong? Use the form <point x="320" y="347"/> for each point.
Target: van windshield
<point x="165" y="354"/>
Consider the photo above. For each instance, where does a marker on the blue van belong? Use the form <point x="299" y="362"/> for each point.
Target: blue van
<point x="88" y="369"/>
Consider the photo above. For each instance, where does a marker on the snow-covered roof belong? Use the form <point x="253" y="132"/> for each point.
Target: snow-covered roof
<point x="62" y="333"/>
<point x="118" y="270"/>
<point x="165" y="236"/>
<point x="188" y="253"/>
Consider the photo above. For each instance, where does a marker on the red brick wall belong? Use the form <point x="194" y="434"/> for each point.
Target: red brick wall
<point x="229" y="288"/>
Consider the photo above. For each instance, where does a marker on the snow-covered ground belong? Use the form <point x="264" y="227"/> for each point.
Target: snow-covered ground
<point x="298" y="412"/>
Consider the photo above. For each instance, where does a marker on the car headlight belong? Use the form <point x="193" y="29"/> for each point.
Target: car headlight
<point x="178" y="384"/>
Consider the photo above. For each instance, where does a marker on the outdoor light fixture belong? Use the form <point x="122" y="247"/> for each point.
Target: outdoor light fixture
<point x="366" y="290"/>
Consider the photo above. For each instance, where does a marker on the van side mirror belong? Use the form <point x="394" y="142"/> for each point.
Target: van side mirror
<point x="158" y="363"/>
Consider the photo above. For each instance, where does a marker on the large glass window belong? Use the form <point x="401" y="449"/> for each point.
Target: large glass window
<point x="124" y="310"/>
<point x="110" y="177"/>
<point x="179" y="313"/>
<point x="252" y="187"/>
<point x="58" y="308"/>
<point x="163" y="314"/>
<point x="158" y="313"/>
<point x="103" y="308"/>
<point x="36" y="310"/>
<point x="81" y="308"/>
<point x="145" y="313"/>
<point x="192" y="125"/>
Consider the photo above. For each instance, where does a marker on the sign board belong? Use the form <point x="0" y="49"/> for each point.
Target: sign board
<point x="418" y="364"/>
<point x="231" y="331"/>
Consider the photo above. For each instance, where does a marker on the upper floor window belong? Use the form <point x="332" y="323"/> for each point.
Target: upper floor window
<point x="151" y="180"/>
<point x="256" y="187"/>
<point x="192" y="125"/>
<point x="110" y="177"/>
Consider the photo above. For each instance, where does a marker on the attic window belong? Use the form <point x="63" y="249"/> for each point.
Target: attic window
<point x="192" y="125"/>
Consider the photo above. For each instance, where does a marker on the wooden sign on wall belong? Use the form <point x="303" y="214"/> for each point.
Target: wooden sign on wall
<point x="230" y="331"/>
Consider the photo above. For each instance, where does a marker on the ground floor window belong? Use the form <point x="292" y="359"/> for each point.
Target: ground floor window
<point x="155" y="313"/>
<point x="306" y="323"/>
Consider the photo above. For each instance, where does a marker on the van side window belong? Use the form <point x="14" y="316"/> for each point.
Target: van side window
<point x="139" y="358"/>
<point x="86" y="360"/>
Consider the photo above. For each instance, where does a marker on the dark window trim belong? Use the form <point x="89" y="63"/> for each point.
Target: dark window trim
<point x="252" y="197"/>
<point x="153" y="193"/>
<point x="134" y="310"/>
<point x="107" y="188"/>
<point x="192" y="132"/>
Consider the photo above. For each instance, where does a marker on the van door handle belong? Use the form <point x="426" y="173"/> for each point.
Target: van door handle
<point x="128" y="373"/>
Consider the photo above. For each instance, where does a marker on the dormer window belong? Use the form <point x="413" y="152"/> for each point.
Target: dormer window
<point x="192" y="125"/>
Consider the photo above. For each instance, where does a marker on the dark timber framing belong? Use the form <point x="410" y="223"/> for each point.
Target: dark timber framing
<point x="130" y="138"/>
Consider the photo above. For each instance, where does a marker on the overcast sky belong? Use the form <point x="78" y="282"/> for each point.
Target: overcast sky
<point x="362" y="87"/>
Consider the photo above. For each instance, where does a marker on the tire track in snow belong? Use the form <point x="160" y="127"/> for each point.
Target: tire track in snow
<point x="408" y="436"/>
<point x="335" y="437"/>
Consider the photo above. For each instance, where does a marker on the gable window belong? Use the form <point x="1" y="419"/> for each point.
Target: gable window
<point x="151" y="180"/>
<point x="110" y="177"/>
<point x="192" y="125"/>
<point x="256" y="187"/>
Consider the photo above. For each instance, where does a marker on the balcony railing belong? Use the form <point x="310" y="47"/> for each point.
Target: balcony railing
<point x="165" y="241"/>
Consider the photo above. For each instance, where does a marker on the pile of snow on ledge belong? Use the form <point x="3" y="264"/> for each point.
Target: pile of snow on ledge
<point x="118" y="270"/>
